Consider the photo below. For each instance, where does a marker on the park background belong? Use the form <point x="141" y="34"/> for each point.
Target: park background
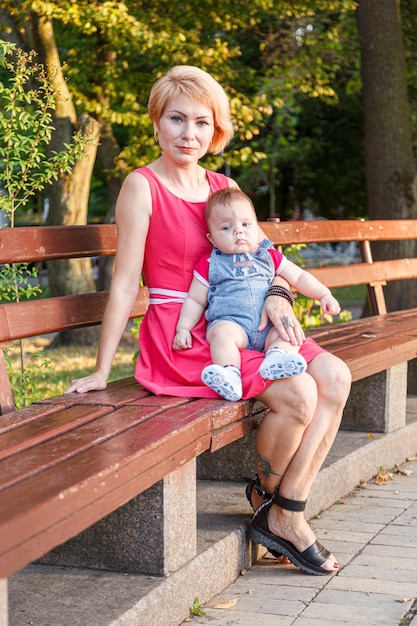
<point x="323" y="97"/>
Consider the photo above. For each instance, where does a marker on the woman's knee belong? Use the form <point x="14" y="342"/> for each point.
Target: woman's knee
<point x="333" y="377"/>
<point x="293" y="398"/>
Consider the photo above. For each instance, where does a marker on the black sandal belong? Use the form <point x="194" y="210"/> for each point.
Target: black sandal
<point x="310" y="560"/>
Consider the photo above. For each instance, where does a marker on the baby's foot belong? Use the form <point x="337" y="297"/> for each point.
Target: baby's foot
<point x="281" y="364"/>
<point x="226" y="381"/>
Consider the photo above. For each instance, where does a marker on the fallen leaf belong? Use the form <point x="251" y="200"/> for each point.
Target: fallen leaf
<point x="383" y="478"/>
<point x="404" y="600"/>
<point x="226" y="605"/>
<point x="403" y="472"/>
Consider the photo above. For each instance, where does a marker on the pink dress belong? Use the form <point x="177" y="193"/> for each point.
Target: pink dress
<point x="176" y="241"/>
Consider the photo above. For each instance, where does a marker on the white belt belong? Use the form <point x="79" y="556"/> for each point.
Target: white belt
<point x="170" y="295"/>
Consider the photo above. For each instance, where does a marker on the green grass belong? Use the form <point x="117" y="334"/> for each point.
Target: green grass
<point x="68" y="362"/>
<point x="357" y="293"/>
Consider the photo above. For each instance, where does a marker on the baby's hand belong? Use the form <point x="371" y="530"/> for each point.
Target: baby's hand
<point x="182" y="340"/>
<point x="329" y="305"/>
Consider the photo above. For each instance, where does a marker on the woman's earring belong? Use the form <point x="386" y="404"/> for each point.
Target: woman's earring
<point x="156" y="136"/>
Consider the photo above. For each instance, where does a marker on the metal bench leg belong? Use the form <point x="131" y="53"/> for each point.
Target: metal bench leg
<point x="155" y="533"/>
<point x="378" y="403"/>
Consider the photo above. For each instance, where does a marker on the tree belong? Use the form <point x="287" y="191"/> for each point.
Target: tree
<point x="69" y="194"/>
<point x="391" y="175"/>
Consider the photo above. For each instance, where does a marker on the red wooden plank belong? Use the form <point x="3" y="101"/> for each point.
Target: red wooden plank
<point x="117" y="394"/>
<point x="65" y="489"/>
<point x="45" y="428"/>
<point x="322" y="231"/>
<point x="48" y="315"/>
<point x="136" y="480"/>
<point x="15" y="419"/>
<point x="72" y="441"/>
<point x="235" y="431"/>
<point x="42" y="243"/>
<point x="52" y="242"/>
<point x="366" y="273"/>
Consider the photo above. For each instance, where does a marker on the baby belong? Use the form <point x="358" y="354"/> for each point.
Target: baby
<point x="231" y="284"/>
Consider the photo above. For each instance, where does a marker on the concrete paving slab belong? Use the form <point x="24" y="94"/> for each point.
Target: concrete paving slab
<point x="373" y="585"/>
<point x="376" y="585"/>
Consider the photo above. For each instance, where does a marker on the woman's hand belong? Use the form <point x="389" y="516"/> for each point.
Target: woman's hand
<point x="93" y="382"/>
<point x="280" y="312"/>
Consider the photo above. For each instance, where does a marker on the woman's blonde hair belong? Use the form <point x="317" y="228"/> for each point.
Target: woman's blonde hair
<point x="196" y="84"/>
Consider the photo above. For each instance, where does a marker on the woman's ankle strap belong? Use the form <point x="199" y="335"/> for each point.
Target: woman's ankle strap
<point x="289" y="505"/>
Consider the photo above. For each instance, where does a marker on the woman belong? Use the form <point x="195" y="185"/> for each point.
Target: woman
<point x="162" y="232"/>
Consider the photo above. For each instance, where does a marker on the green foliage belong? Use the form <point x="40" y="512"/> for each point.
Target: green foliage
<point x="197" y="608"/>
<point x="292" y="70"/>
<point x="25" y="379"/>
<point x="27" y="100"/>
<point x="306" y="310"/>
<point x="16" y="283"/>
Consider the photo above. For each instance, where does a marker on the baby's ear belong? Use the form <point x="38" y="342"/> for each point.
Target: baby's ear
<point x="209" y="237"/>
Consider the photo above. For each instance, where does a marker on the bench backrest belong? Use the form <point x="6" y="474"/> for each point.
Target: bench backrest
<point x="44" y="243"/>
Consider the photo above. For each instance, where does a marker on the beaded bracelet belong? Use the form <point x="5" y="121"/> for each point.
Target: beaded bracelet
<point x="277" y="290"/>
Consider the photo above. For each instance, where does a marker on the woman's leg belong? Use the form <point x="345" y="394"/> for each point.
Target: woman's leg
<point x="291" y="446"/>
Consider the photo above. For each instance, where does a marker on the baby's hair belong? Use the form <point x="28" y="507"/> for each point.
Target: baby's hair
<point x="227" y="197"/>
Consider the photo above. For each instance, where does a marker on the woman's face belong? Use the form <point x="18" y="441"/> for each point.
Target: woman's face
<point x="185" y="129"/>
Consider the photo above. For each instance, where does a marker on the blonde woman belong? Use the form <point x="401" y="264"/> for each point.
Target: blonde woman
<point x="162" y="234"/>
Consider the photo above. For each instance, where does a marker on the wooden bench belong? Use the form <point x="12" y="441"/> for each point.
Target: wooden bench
<point x="125" y="455"/>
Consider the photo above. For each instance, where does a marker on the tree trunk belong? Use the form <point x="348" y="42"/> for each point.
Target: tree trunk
<point x="108" y="151"/>
<point x="391" y="175"/>
<point x="68" y="196"/>
<point x="389" y="162"/>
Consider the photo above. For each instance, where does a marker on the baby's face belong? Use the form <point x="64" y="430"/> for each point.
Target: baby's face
<point x="233" y="229"/>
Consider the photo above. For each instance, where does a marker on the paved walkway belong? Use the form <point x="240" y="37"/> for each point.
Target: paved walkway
<point x="373" y="532"/>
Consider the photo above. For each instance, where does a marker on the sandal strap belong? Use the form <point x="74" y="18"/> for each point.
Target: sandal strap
<point x="256" y="484"/>
<point x="263" y="493"/>
<point x="287" y="504"/>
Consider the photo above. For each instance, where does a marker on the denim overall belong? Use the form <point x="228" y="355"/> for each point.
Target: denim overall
<point x="238" y="286"/>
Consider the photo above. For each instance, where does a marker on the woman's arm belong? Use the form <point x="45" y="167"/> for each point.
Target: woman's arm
<point x="133" y="212"/>
<point x="278" y="309"/>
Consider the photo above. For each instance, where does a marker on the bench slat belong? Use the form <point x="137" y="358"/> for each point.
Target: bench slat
<point x="366" y="273"/>
<point x="16" y="419"/>
<point x="322" y="231"/>
<point x="372" y="344"/>
<point x="44" y="243"/>
<point x="49" y="315"/>
<point x="71" y="495"/>
<point x="117" y="394"/>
